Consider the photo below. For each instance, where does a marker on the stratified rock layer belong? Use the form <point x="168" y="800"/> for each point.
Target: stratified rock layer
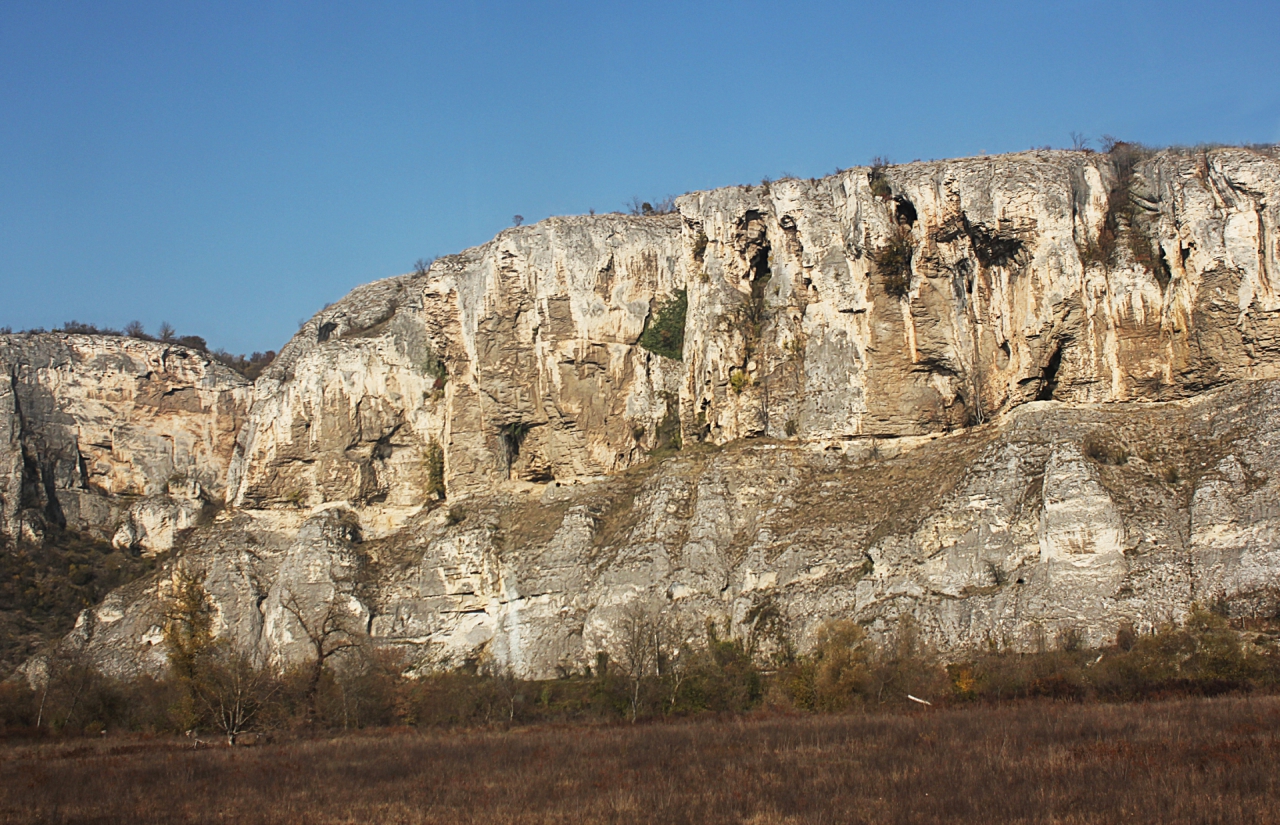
<point x="970" y="391"/>
<point x="114" y="436"/>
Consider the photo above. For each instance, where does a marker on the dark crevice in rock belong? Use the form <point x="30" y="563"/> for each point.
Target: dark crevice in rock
<point x="1160" y="268"/>
<point x="753" y="242"/>
<point x="994" y="248"/>
<point x="1003" y="246"/>
<point x="513" y="435"/>
<point x="1049" y="376"/>
<point x="904" y="211"/>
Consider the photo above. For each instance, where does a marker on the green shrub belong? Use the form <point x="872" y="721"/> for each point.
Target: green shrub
<point x="739" y="380"/>
<point x="718" y="677"/>
<point x="664" y="333"/>
<point x="432" y="365"/>
<point x="700" y="246"/>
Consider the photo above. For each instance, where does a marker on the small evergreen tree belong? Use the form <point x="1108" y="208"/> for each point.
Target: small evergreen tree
<point x="664" y="334"/>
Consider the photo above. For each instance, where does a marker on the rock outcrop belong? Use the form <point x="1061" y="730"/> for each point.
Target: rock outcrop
<point x="1006" y="396"/>
<point x="122" y="438"/>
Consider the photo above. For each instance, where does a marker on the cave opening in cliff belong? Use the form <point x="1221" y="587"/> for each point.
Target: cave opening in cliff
<point x="760" y="276"/>
<point x="1160" y="267"/>
<point x="326" y="329"/>
<point x="1049" y="376"/>
<point x="904" y="211"/>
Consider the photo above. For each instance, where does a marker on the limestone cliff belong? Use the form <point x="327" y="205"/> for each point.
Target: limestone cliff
<point x="113" y="436"/>
<point x="980" y="392"/>
<point x="519" y="357"/>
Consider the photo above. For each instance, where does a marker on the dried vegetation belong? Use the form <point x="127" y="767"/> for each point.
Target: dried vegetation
<point x="1185" y="761"/>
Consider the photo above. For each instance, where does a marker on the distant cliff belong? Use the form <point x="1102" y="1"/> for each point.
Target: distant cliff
<point x="1007" y="396"/>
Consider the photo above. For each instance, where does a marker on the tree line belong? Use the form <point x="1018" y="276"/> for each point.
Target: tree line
<point x="659" y="667"/>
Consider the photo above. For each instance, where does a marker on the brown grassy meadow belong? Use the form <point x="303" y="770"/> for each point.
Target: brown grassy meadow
<point x="1188" y="760"/>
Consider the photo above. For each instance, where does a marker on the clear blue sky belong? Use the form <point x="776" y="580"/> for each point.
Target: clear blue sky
<point x="231" y="167"/>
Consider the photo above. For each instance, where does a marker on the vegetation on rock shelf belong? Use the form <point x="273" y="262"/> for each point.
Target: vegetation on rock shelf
<point x="893" y="261"/>
<point x="1125" y="221"/>
<point x="664" y="334"/>
<point x="876" y="178"/>
<point x="666" y="206"/>
<point x="44" y="587"/>
<point x="250" y="366"/>
<point x="700" y="246"/>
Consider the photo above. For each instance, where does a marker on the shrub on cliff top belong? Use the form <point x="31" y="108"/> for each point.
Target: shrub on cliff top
<point x="666" y="206"/>
<point x="876" y="177"/>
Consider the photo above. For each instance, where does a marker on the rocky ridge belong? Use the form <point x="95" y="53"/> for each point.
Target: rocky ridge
<point x="1007" y="396"/>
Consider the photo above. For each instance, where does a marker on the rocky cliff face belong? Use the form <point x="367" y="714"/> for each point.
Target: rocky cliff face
<point x="117" y="437"/>
<point x="970" y="391"/>
<point x="519" y="357"/>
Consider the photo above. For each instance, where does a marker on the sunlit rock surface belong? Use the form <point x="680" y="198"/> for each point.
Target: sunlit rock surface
<point x="1060" y="415"/>
<point x="119" y="437"/>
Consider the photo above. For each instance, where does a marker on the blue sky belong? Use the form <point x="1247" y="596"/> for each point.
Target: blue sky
<point x="232" y="167"/>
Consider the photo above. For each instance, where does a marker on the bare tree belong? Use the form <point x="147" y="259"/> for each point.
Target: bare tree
<point x="167" y="332"/>
<point x="329" y="633"/>
<point x="233" y="691"/>
<point x="637" y="207"/>
<point x="134" y="329"/>
<point x="69" y="677"/>
<point x="517" y="220"/>
<point x="644" y="643"/>
<point x="505" y="684"/>
<point x="1079" y="142"/>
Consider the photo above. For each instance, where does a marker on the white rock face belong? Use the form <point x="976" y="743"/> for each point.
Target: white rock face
<point x="89" y="424"/>
<point x="1080" y="526"/>
<point x="518" y="358"/>
<point x="1055" y="415"/>
<point x="1005" y="533"/>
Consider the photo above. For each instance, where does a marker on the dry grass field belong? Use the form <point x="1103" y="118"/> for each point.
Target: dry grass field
<point x="1189" y="760"/>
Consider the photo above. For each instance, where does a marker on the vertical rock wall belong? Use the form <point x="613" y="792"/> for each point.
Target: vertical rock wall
<point x="518" y="359"/>
<point x="112" y="435"/>
<point x="1046" y="275"/>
